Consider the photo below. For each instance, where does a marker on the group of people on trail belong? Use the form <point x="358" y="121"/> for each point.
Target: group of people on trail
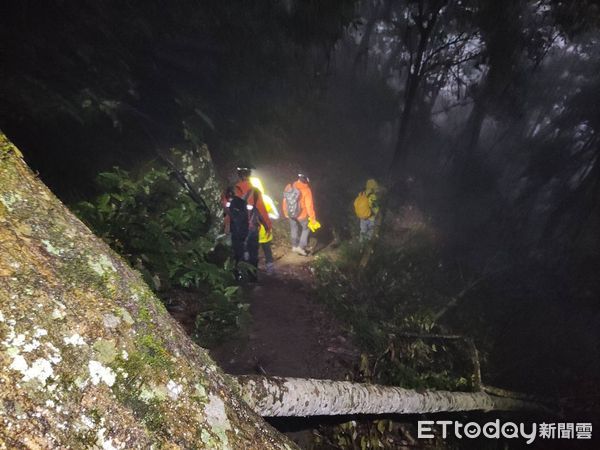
<point x="249" y="213"/>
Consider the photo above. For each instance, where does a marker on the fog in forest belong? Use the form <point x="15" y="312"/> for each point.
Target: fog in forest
<point x="478" y="119"/>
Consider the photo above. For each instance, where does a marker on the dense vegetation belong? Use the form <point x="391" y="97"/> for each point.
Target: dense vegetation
<point x="150" y="220"/>
<point x="390" y="307"/>
<point x="482" y="116"/>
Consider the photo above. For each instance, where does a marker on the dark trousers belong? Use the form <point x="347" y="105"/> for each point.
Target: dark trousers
<point x="266" y="246"/>
<point x="239" y="247"/>
<point x="252" y="248"/>
<point x="243" y="245"/>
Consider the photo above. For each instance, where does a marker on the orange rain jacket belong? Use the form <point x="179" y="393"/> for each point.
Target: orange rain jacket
<point x="307" y="208"/>
<point x="240" y="190"/>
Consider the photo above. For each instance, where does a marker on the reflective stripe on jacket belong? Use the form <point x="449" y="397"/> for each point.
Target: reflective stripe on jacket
<point x="240" y="190"/>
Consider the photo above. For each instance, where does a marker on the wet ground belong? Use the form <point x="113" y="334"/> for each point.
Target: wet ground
<point x="291" y="334"/>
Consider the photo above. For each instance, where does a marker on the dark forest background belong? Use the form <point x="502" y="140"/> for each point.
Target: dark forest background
<point x="483" y="115"/>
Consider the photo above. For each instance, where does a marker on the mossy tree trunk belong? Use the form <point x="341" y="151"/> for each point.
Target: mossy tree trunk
<point x="88" y="355"/>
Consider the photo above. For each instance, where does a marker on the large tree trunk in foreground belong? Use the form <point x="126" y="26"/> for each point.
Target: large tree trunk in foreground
<point x="274" y="396"/>
<point x="88" y="356"/>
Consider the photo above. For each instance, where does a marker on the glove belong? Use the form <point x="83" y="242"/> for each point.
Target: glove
<point x="313" y="225"/>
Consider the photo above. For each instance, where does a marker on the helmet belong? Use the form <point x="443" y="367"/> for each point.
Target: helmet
<point x="372" y="185"/>
<point x="244" y="169"/>
<point x="303" y="176"/>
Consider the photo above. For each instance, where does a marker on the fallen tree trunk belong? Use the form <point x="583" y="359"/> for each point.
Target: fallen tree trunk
<point x="274" y="396"/>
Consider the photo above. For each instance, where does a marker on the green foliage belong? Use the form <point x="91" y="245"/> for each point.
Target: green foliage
<point x="151" y="221"/>
<point x="155" y="225"/>
<point x="362" y="435"/>
<point x="223" y="317"/>
<point x="388" y="305"/>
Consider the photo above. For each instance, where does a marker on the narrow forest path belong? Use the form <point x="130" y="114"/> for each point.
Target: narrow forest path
<point x="291" y="334"/>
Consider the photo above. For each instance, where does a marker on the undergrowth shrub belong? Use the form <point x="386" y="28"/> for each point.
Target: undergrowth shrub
<point x="389" y="308"/>
<point x="152" y="222"/>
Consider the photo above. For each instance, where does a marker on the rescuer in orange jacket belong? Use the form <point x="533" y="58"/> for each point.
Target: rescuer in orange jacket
<point x="245" y="211"/>
<point x="298" y="207"/>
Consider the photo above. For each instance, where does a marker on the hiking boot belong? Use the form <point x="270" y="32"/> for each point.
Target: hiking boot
<point x="300" y="251"/>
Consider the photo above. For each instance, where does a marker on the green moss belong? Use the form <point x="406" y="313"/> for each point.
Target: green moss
<point x="153" y="418"/>
<point x="136" y="393"/>
<point x="154" y="352"/>
<point x="141" y="371"/>
<point x="70" y="380"/>
<point x="77" y="273"/>
<point x="7" y="149"/>
<point x="87" y="438"/>
<point x="148" y="411"/>
<point x="95" y="415"/>
<point x="144" y="315"/>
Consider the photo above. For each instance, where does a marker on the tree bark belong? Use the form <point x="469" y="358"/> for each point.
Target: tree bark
<point x="89" y="357"/>
<point x="414" y="77"/>
<point x="425" y="24"/>
<point x="274" y="396"/>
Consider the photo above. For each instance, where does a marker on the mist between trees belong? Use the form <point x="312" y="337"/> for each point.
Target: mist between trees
<point x="480" y="118"/>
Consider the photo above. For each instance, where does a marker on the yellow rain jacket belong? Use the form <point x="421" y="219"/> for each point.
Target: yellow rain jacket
<point x="263" y="237"/>
<point x="371" y="189"/>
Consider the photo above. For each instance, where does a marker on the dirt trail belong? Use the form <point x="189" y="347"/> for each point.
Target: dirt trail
<point x="291" y="334"/>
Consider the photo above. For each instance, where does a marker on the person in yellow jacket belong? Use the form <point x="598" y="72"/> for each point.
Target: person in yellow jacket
<point x="366" y="208"/>
<point x="265" y="237"/>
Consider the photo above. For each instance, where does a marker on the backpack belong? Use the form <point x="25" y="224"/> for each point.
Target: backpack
<point x="292" y="201"/>
<point x="361" y="206"/>
<point x="242" y="216"/>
